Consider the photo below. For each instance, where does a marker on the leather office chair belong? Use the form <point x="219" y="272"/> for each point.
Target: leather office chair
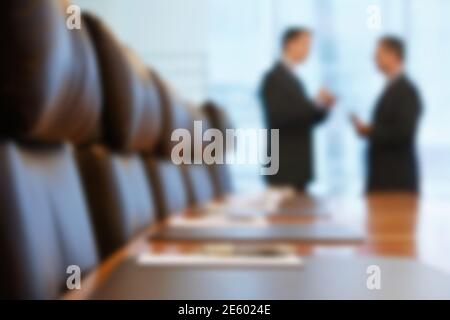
<point x="48" y="95"/>
<point x="199" y="184"/>
<point x="178" y="114"/>
<point x="220" y="173"/>
<point x="119" y="194"/>
<point x="168" y="184"/>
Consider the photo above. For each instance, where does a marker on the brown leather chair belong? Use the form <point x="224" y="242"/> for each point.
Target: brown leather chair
<point x="169" y="186"/>
<point x="48" y="95"/>
<point x="199" y="184"/>
<point x="119" y="194"/>
<point x="177" y="114"/>
<point x="220" y="173"/>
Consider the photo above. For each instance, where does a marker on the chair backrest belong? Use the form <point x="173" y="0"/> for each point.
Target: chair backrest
<point x="178" y="114"/>
<point x="220" y="173"/>
<point x="169" y="186"/>
<point x="44" y="222"/>
<point x="199" y="184"/>
<point x="119" y="193"/>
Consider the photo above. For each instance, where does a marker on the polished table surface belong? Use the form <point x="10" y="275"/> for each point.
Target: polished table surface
<point x="316" y="232"/>
<point x="399" y="225"/>
<point x="319" y="277"/>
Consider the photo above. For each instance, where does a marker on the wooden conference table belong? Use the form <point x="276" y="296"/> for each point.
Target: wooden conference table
<point x="400" y="225"/>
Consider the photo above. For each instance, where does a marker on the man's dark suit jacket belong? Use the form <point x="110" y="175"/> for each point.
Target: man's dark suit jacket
<point x="288" y="109"/>
<point x="392" y="159"/>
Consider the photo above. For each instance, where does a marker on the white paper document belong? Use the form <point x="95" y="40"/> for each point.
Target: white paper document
<point x="219" y="261"/>
<point x="265" y="203"/>
<point x="219" y="221"/>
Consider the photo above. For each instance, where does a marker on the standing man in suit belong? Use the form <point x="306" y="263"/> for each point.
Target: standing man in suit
<point x="289" y="109"/>
<point x="392" y="159"/>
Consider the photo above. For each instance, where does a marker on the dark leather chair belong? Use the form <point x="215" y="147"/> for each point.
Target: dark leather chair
<point x="119" y="193"/>
<point x="199" y="184"/>
<point x="169" y="186"/>
<point x="220" y="173"/>
<point x="177" y="114"/>
<point x="48" y="95"/>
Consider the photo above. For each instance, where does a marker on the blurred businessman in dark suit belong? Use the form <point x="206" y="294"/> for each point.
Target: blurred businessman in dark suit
<point x="288" y="108"/>
<point x="392" y="159"/>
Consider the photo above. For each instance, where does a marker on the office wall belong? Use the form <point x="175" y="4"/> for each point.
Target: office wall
<point x="221" y="48"/>
<point x="342" y="59"/>
<point x="170" y="35"/>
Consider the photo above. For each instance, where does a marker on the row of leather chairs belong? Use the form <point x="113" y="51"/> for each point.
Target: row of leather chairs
<point x="85" y="146"/>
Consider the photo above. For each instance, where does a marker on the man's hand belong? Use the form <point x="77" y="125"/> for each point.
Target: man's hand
<point x="325" y="98"/>
<point x="361" y="128"/>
